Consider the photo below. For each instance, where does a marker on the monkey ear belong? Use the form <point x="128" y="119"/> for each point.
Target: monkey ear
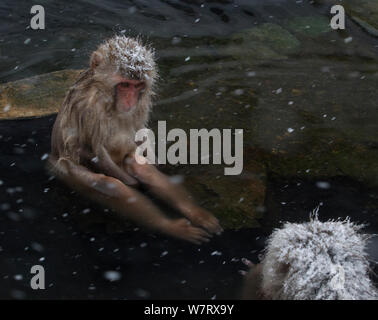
<point x="96" y="59"/>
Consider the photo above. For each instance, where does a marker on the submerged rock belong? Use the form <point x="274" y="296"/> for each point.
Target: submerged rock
<point x="309" y="26"/>
<point x="36" y="96"/>
<point x="238" y="201"/>
<point x="266" y="41"/>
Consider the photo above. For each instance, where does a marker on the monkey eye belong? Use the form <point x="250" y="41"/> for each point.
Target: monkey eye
<point x="140" y="85"/>
<point x="124" y="84"/>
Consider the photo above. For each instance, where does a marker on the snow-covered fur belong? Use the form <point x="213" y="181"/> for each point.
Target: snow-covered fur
<point x="129" y="56"/>
<point x="317" y="261"/>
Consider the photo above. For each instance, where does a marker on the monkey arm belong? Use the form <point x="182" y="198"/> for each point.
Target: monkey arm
<point x="104" y="163"/>
<point x="112" y="169"/>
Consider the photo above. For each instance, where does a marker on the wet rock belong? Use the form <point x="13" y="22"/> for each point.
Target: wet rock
<point x="309" y="26"/>
<point x="364" y="13"/>
<point x="235" y="200"/>
<point x="328" y="130"/>
<point x="266" y="41"/>
<point x="36" y="96"/>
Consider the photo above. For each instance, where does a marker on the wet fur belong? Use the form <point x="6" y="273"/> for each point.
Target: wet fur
<point x="88" y="119"/>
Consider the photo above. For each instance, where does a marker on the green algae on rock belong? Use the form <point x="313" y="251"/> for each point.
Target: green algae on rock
<point x="309" y="26"/>
<point x="266" y="41"/>
<point x="237" y="201"/>
<point x="36" y="96"/>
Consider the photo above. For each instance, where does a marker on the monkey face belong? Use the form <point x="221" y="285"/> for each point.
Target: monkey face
<point x="128" y="93"/>
<point x="126" y="68"/>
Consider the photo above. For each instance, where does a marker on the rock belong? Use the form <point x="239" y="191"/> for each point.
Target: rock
<point x="309" y="26"/>
<point x="36" y="96"/>
<point x="364" y="13"/>
<point x="266" y="41"/>
<point x="329" y="130"/>
<point x="238" y="201"/>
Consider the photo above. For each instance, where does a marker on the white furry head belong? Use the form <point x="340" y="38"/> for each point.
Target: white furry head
<point x="128" y="56"/>
<point x="317" y="261"/>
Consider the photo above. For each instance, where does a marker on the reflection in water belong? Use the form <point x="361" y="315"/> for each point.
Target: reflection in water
<point x="305" y="97"/>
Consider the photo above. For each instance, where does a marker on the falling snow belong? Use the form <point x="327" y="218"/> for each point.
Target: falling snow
<point x="251" y="74"/>
<point x="18" y="277"/>
<point x="112" y="275"/>
<point x="238" y="92"/>
<point x="323" y="185"/>
<point x="163" y="254"/>
<point x="176" y="40"/>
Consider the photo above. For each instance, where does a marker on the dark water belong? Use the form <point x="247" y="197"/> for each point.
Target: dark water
<point x="42" y="222"/>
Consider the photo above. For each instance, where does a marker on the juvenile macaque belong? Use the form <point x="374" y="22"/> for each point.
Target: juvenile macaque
<point x="313" y="261"/>
<point x="93" y="142"/>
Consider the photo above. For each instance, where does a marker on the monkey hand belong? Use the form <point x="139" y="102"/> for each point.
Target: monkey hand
<point x="202" y="218"/>
<point x="247" y="263"/>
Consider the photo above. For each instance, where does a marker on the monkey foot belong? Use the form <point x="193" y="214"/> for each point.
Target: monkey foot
<point x="183" y="229"/>
<point x="205" y="220"/>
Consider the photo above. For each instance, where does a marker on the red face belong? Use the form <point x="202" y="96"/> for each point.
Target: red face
<point x="128" y="93"/>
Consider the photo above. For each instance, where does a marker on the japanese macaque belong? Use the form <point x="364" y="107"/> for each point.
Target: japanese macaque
<point x="313" y="261"/>
<point x="93" y="142"/>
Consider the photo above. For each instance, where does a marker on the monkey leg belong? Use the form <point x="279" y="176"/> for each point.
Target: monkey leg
<point x="128" y="202"/>
<point x="160" y="185"/>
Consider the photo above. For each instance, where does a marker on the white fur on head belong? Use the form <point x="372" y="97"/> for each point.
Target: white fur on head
<point x="317" y="261"/>
<point x="128" y="55"/>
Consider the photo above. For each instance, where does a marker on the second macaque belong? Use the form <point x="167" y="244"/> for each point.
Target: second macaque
<point x="313" y="261"/>
<point x="93" y="142"/>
